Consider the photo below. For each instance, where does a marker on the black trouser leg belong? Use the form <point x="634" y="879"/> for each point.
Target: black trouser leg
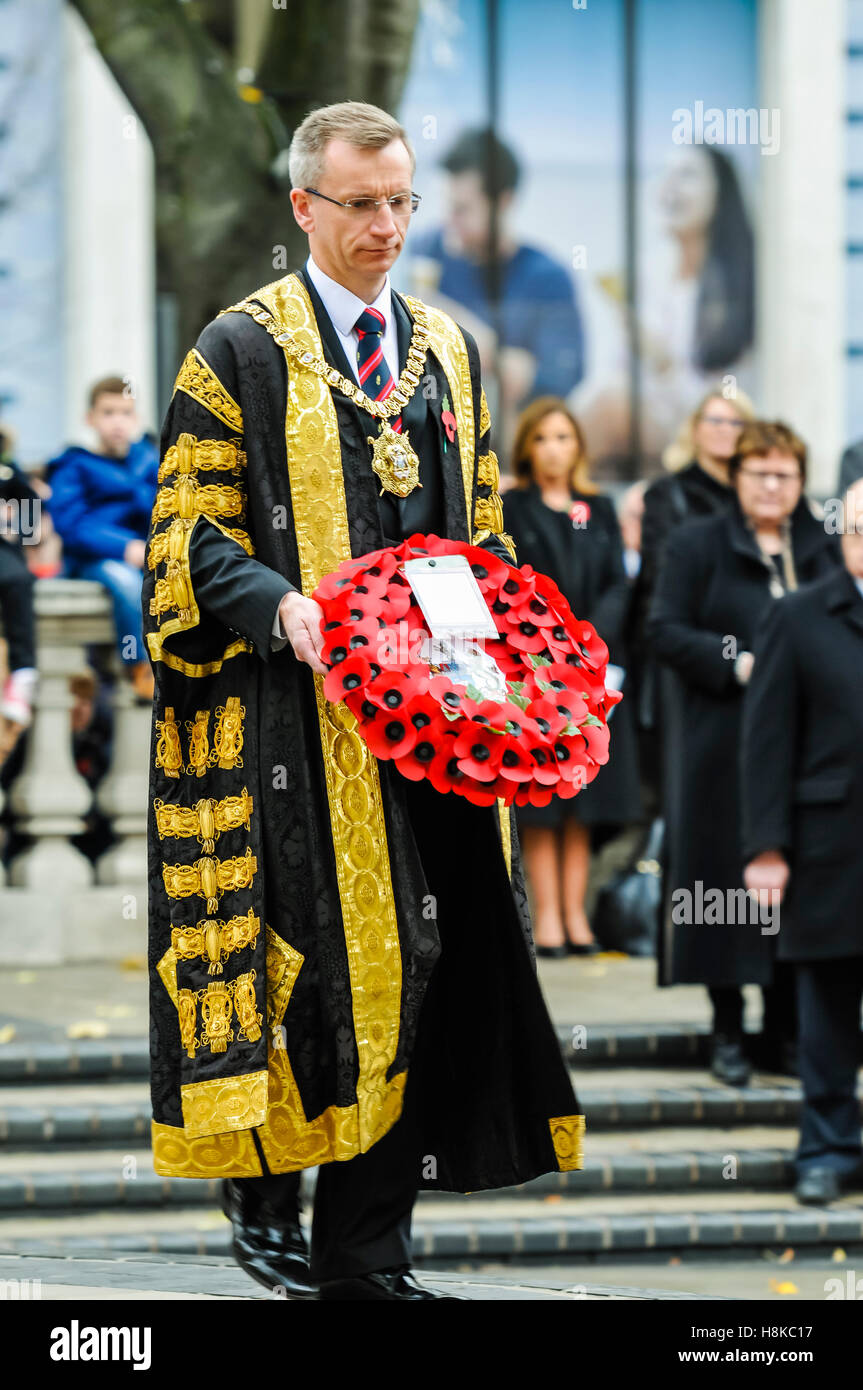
<point x="363" y="1207"/>
<point x="281" y="1191"/>
<point x="828" y="1004"/>
<point x="16" y="605"/>
<point x="779" y="1019"/>
<point x="727" y="1001"/>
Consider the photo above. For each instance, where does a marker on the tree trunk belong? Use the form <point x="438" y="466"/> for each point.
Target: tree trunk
<point x="224" y="222"/>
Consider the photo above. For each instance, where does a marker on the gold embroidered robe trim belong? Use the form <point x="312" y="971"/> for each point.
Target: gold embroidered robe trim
<point x="485" y="532"/>
<point x="209" y="877"/>
<point x="484" y="414"/>
<point x="163" y="543"/>
<point x="489" y="512"/>
<point x="190" y="453"/>
<point x="214" y="1107"/>
<point x="197" y="378"/>
<point x="488" y="471"/>
<point x="179" y="1155"/>
<point x="449" y="347"/>
<point x="204" y="1147"/>
<point x="352" y="776"/>
<point x="190" y="619"/>
<point x="206" y="820"/>
<point x="169" y="755"/>
<point x="215" y="939"/>
<point x="285" y="1132"/>
<point x="181" y="504"/>
<point x="289" y="1140"/>
<point x="228" y="738"/>
<point x="567" y="1136"/>
<point x="189" y="498"/>
<point x="505" y="833"/>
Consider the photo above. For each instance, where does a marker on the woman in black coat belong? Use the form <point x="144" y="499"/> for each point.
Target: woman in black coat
<point x="698" y="488"/>
<point x="718" y="579"/>
<point x="565" y="528"/>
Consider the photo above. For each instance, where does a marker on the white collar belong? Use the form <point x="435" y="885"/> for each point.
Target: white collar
<point x="343" y="306"/>
<point x="859" y="583"/>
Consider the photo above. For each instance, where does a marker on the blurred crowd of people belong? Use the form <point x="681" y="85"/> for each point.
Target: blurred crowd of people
<point x="732" y="607"/>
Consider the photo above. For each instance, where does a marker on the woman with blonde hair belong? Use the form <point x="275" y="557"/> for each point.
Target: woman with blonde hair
<point x="696" y="482"/>
<point x="696" y="485"/>
<point x="564" y="527"/>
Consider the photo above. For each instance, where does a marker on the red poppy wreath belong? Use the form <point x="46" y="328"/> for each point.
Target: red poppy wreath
<point x="549" y="737"/>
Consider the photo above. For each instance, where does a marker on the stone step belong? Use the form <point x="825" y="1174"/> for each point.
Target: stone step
<point x="644" y="1044"/>
<point x="587" y="1047"/>
<point x="593" y="1044"/>
<point x="96" y="1058"/>
<point x="634" y="1044"/>
<point x="466" y="1229"/>
<point x="118" y="1112"/>
<point x="55" y="1179"/>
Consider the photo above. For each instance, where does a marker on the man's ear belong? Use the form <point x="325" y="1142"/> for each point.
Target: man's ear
<point x="303" y="215"/>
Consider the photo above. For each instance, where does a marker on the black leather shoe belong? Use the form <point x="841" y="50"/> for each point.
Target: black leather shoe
<point x="583" y="948"/>
<point x="552" y="952"/>
<point x="818" y="1187"/>
<point x="267" y="1244"/>
<point x="728" y="1062"/>
<point x="390" y="1284"/>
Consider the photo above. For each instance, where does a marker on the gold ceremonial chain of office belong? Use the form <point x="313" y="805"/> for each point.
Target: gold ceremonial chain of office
<point x="393" y="459"/>
<point x="398" y="397"/>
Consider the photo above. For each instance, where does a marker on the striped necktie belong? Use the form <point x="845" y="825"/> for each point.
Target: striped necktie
<point x="376" y="379"/>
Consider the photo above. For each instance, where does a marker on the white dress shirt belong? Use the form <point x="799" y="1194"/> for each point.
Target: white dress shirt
<point x="859" y="583"/>
<point x="344" y="308"/>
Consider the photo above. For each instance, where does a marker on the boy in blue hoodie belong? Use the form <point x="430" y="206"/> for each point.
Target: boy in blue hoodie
<point x="101" y="503"/>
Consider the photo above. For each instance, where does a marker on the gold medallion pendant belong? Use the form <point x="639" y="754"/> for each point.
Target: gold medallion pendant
<point x="395" y="462"/>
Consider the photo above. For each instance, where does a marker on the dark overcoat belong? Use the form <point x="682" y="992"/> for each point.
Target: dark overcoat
<point x="802" y="764"/>
<point x="712" y="593"/>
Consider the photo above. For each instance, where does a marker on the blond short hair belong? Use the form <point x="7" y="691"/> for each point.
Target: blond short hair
<point x="681" y="450"/>
<point x="358" y="122"/>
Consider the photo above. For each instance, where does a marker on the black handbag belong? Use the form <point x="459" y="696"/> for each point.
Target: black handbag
<point x="626" y="916"/>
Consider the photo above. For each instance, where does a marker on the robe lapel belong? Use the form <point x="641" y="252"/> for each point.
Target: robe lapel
<point x="448" y="452"/>
<point x="361" y="484"/>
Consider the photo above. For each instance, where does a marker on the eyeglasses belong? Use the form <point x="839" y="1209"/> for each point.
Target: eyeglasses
<point x="400" y="204"/>
<point x="721" y="420"/>
<point x="761" y="475"/>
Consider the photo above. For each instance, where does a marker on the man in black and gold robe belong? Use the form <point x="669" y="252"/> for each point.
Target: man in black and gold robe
<point x="342" y="970"/>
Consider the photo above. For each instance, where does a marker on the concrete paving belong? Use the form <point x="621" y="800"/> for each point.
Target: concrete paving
<point x="109" y="1280"/>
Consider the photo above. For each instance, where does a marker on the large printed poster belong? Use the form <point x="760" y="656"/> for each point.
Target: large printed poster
<point x="521" y="144"/>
